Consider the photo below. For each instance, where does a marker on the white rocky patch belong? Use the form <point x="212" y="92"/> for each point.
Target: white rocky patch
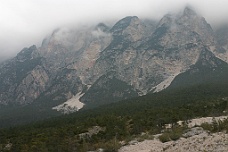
<point x="200" y="121"/>
<point x="222" y="56"/>
<point x="71" y="105"/>
<point x="164" y="84"/>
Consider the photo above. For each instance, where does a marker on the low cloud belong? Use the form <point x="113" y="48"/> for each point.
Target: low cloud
<point x="99" y="33"/>
<point x="27" y="22"/>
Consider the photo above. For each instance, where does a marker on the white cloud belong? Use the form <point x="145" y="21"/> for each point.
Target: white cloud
<point x="27" y="22"/>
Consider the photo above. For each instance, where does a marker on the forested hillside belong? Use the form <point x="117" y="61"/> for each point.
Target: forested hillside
<point x="105" y="127"/>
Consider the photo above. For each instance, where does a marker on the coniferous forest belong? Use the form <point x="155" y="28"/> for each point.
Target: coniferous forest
<point x="111" y="126"/>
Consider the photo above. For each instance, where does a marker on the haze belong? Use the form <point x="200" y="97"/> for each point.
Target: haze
<point x="27" y="22"/>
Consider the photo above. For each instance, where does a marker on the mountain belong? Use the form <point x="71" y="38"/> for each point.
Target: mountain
<point x="207" y="70"/>
<point x="92" y="66"/>
<point x="221" y="35"/>
<point x="22" y="75"/>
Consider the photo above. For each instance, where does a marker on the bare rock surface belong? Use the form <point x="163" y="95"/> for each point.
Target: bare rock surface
<point x="202" y="141"/>
<point x="193" y="140"/>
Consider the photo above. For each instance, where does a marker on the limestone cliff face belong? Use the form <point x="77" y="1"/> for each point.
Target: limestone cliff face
<point x="23" y="78"/>
<point x="144" y="61"/>
<point x="57" y="70"/>
<point x="32" y="85"/>
<point x="131" y="58"/>
<point x="75" y="49"/>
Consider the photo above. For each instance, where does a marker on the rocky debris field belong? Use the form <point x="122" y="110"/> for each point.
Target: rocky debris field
<point x="204" y="141"/>
<point x="195" y="139"/>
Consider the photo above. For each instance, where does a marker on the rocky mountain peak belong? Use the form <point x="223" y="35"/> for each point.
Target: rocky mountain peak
<point x="175" y="29"/>
<point x="130" y="29"/>
<point x="188" y="11"/>
<point x="192" y="19"/>
<point x="123" y="23"/>
<point x="166" y="20"/>
<point x="187" y="15"/>
<point x="27" y="53"/>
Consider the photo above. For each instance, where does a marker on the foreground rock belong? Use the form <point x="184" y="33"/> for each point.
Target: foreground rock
<point x="192" y="140"/>
<point x="204" y="141"/>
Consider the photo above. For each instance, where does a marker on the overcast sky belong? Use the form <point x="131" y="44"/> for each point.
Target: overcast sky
<point x="26" y="22"/>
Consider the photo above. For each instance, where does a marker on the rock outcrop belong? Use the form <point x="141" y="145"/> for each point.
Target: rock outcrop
<point x="193" y="139"/>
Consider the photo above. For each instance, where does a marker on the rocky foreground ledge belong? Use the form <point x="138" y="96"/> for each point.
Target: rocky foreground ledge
<point x="195" y="139"/>
<point x="216" y="142"/>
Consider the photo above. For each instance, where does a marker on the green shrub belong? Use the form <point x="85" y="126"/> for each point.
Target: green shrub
<point x="145" y="136"/>
<point x="207" y="126"/>
<point x="164" y="137"/>
<point x="174" y="136"/>
<point x="216" y="126"/>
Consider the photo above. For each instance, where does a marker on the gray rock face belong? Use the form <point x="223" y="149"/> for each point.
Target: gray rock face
<point x="193" y="131"/>
<point x="132" y="58"/>
<point x="32" y="85"/>
<point x="146" y="61"/>
<point x="23" y="78"/>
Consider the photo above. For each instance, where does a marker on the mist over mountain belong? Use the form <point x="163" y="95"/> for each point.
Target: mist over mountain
<point x="28" y="22"/>
<point x="114" y="76"/>
<point x="76" y="68"/>
<point x="106" y="63"/>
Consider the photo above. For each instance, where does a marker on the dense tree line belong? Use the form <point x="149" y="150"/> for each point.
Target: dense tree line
<point x="121" y="122"/>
